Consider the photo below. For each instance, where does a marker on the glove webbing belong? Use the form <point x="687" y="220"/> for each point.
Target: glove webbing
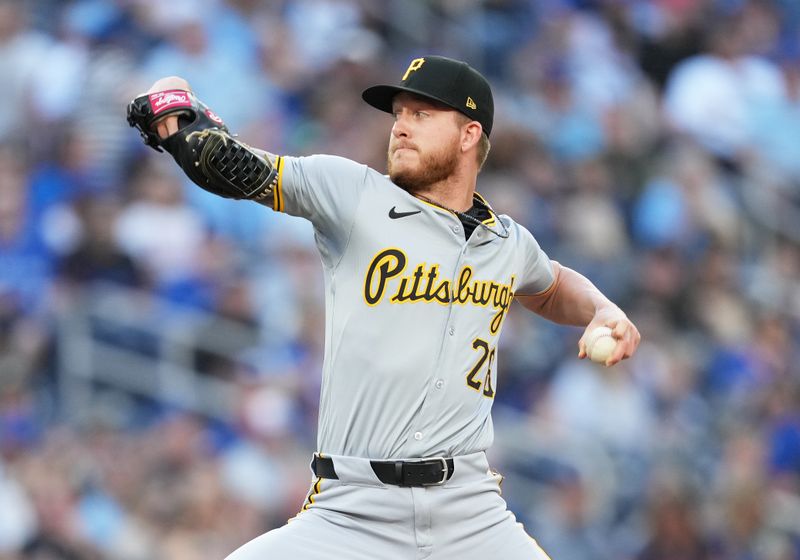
<point x="235" y="163"/>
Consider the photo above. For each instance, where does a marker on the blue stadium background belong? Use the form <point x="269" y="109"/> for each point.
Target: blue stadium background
<point x="160" y="348"/>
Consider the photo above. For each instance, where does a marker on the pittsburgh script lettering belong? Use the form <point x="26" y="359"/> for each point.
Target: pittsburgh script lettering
<point x="424" y="284"/>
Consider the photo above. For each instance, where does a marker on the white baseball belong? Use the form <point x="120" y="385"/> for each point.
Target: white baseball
<point x="600" y="344"/>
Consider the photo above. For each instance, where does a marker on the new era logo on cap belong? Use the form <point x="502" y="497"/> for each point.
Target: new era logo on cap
<point x="449" y="81"/>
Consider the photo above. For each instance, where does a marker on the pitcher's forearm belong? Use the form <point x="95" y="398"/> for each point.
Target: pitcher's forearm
<point x="571" y="300"/>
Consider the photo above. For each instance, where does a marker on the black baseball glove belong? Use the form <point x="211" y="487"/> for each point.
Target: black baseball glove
<point x="203" y="147"/>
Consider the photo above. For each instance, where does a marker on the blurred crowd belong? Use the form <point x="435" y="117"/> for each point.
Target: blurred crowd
<point x="652" y="145"/>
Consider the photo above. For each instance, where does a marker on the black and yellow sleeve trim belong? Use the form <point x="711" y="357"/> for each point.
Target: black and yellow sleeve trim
<point x="277" y="195"/>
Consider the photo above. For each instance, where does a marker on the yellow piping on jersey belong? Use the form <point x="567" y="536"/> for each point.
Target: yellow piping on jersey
<point x="491" y="220"/>
<point x="314" y="493"/>
<point x="439" y="208"/>
<point x="277" y="195"/>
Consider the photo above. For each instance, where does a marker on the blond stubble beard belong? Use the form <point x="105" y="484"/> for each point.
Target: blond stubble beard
<point x="433" y="168"/>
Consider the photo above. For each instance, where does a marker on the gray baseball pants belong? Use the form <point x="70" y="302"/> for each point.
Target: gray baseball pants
<point x="358" y="517"/>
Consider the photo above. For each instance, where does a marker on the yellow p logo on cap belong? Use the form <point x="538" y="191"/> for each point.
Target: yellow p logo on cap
<point x="415" y="65"/>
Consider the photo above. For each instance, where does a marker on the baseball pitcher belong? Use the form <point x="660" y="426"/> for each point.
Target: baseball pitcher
<point x="420" y="273"/>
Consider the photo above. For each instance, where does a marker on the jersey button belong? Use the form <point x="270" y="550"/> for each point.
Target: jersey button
<point x="452" y="331"/>
<point x="418" y="436"/>
<point x="439" y="383"/>
<point x="457" y="229"/>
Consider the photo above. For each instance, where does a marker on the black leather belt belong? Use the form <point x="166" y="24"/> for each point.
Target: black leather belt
<point x="425" y="472"/>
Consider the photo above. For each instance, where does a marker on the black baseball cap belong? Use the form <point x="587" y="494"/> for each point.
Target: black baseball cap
<point x="452" y="82"/>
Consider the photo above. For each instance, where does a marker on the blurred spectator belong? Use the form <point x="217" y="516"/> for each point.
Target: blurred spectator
<point x="783" y="434"/>
<point x="22" y="51"/>
<point x="560" y="118"/>
<point x="568" y="528"/>
<point x="772" y="280"/>
<point x="323" y="30"/>
<point x="669" y="32"/>
<point x="60" y="179"/>
<point x="716" y="96"/>
<point x="164" y="235"/>
<point x="776" y="126"/>
<point x="230" y="332"/>
<point x="686" y="204"/>
<point x="25" y="260"/>
<point x="675" y="525"/>
<point x="593" y="230"/>
<point x="610" y="406"/>
<point x="221" y="70"/>
<point x="97" y="256"/>
<point x="17" y="517"/>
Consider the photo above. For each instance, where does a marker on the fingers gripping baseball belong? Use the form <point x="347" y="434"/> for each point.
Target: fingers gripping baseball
<point x="609" y="339"/>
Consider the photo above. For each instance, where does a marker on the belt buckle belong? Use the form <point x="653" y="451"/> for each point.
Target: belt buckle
<point x="445" y="471"/>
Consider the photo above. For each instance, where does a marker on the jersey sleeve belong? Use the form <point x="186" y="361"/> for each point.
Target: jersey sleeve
<point x="537" y="270"/>
<point x="326" y="190"/>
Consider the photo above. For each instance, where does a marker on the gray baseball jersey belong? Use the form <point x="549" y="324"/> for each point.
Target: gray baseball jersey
<point x="413" y="310"/>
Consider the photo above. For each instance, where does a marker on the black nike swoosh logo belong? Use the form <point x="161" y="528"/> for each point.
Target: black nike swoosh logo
<point x="394" y="214"/>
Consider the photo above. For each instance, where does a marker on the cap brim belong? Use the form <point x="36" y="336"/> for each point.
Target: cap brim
<point x="381" y="96"/>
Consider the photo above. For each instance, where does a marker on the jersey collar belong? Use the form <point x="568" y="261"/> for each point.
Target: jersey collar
<point x="493" y="221"/>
